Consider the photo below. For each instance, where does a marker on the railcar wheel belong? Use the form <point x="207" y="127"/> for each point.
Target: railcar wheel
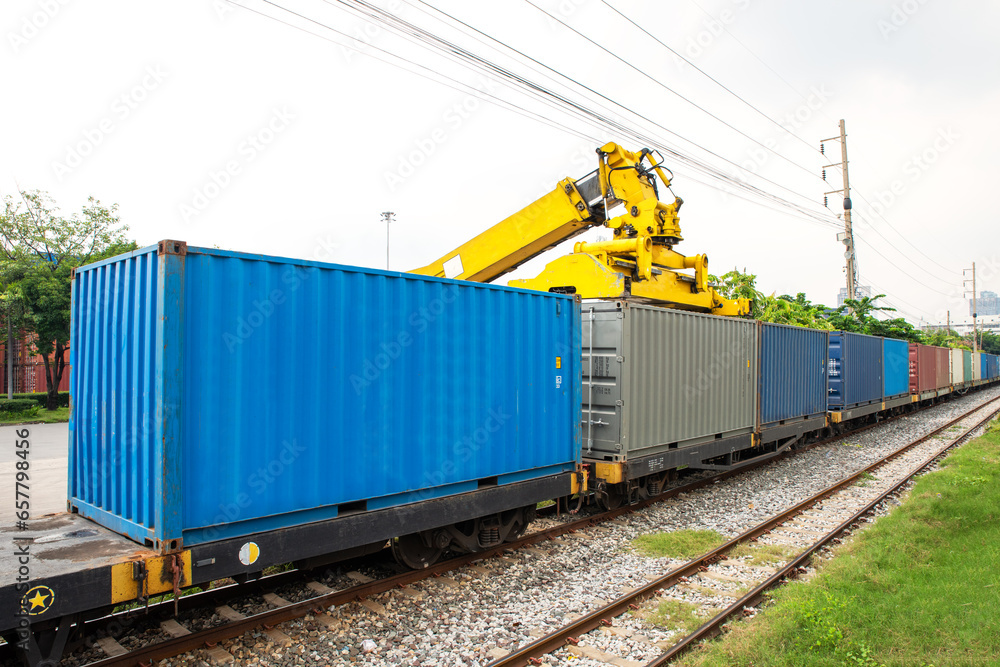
<point x="410" y="550"/>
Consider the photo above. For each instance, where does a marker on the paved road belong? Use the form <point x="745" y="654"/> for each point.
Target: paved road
<point x="48" y="469"/>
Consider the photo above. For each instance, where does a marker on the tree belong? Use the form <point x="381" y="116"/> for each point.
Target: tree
<point x="40" y="249"/>
<point x="990" y="342"/>
<point x="738" y="285"/>
<point x="785" y="309"/>
<point x="856" y="315"/>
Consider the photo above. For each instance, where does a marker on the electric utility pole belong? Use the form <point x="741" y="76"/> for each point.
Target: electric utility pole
<point x="387" y="216"/>
<point x="848" y="235"/>
<point x="975" y="314"/>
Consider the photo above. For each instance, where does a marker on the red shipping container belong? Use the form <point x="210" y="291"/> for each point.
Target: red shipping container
<point x="929" y="368"/>
<point x="942" y="357"/>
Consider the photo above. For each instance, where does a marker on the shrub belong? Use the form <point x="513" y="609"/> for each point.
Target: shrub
<point x="11" y="405"/>
<point x="40" y="398"/>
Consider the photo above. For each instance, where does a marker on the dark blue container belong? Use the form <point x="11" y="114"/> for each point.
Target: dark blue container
<point x="793" y="364"/>
<point x="218" y="394"/>
<point x="896" y="366"/>
<point x="855" y="370"/>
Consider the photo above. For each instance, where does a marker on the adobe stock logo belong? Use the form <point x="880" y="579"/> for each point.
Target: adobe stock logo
<point x="32" y="25"/>
<point x="249" y="149"/>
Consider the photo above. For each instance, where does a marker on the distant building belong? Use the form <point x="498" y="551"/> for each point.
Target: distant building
<point x="862" y="291"/>
<point x="989" y="323"/>
<point x="28" y="370"/>
<point x="988" y="304"/>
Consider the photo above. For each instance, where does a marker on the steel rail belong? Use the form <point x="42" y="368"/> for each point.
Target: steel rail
<point x="570" y="632"/>
<point x="232" y="629"/>
<point x="216" y="596"/>
<point x="756" y="596"/>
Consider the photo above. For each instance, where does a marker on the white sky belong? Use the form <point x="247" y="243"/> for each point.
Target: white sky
<point x="142" y="103"/>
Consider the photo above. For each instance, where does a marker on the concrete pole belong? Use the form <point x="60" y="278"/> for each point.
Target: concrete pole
<point x="975" y="312"/>
<point x="388" y="216"/>
<point x="851" y="269"/>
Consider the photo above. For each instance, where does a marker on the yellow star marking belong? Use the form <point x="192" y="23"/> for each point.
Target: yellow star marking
<point x="38" y="600"/>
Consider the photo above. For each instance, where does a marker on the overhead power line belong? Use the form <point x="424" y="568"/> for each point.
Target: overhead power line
<point x="614" y="55"/>
<point x="792" y="88"/>
<point x="411" y="31"/>
<point x="809" y="144"/>
<point x="900" y="269"/>
<point x="902" y="253"/>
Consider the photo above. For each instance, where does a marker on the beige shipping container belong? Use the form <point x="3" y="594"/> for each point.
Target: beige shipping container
<point x="957" y="367"/>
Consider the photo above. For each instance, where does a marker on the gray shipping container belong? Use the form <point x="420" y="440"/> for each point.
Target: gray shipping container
<point x="656" y="379"/>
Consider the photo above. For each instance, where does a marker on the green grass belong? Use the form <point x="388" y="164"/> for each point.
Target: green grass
<point x="920" y="587"/>
<point x="676" y="615"/>
<point x="155" y="599"/>
<point x="41" y="416"/>
<point x="678" y="544"/>
<point x="762" y="554"/>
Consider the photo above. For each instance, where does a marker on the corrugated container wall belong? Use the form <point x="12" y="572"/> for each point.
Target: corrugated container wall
<point x="990" y="366"/>
<point x="218" y="394"/>
<point x="792" y="372"/>
<point x="977" y="366"/>
<point x="926" y="368"/>
<point x="896" y="368"/>
<point x="957" y="366"/>
<point x="855" y="369"/>
<point x="664" y="378"/>
<point x="915" y="368"/>
<point x="942" y="357"/>
<point x="968" y="372"/>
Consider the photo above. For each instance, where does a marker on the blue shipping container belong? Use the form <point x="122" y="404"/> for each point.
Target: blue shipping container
<point x="990" y="366"/>
<point x="218" y="394"/>
<point x="896" y="367"/>
<point x="855" y="370"/>
<point x="793" y="364"/>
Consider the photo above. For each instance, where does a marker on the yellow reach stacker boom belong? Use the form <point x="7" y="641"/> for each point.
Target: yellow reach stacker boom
<point x="638" y="264"/>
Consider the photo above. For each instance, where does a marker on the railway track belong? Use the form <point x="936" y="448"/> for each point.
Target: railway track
<point x="321" y="597"/>
<point x="804" y="528"/>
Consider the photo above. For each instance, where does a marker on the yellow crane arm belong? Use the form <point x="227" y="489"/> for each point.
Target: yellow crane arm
<point x="638" y="263"/>
<point x="557" y="216"/>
